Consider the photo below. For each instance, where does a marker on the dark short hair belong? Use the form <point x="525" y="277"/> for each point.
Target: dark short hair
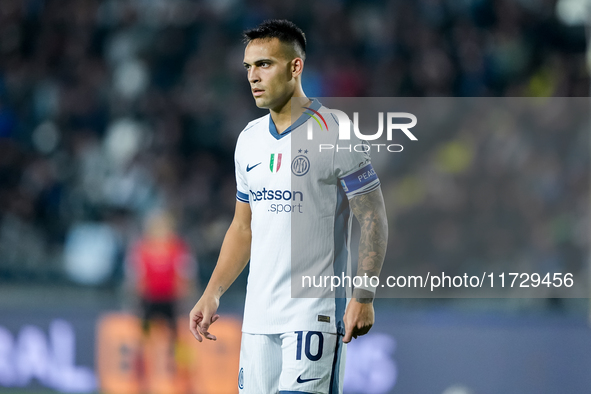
<point x="286" y="31"/>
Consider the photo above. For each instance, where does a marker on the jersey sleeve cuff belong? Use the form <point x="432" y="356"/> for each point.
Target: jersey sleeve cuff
<point x="360" y="182"/>
<point x="242" y="197"/>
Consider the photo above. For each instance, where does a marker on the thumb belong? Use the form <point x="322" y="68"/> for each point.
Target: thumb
<point x="206" y="325"/>
<point x="348" y="333"/>
<point x="205" y="322"/>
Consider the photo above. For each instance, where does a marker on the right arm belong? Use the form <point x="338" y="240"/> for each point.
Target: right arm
<point x="234" y="256"/>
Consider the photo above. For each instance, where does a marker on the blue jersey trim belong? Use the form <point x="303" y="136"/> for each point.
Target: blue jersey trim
<point x="341" y="255"/>
<point x="335" y="118"/>
<point x="241" y="196"/>
<point x="360" y="178"/>
<point x="301" y="120"/>
<point x="364" y="191"/>
<point x="335" y="372"/>
<point x="295" y="392"/>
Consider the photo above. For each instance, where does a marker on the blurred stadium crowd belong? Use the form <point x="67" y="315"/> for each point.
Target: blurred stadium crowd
<point x="501" y="185"/>
<point x="111" y="109"/>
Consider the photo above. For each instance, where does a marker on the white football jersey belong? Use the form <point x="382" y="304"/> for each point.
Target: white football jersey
<point x="301" y="221"/>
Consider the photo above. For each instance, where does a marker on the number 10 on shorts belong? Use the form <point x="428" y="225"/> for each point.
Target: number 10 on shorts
<point x="307" y="345"/>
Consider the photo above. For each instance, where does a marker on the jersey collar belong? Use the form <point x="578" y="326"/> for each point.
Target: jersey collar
<point x="300" y="121"/>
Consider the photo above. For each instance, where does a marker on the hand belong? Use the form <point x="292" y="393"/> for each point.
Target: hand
<point x="202" y="316"/>
<point x="358" y="319"/>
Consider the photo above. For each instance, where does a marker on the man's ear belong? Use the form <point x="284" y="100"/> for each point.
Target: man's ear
<point x="297" y="66"/>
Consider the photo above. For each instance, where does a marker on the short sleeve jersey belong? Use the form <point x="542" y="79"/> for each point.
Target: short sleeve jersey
<point x="299" y="198"/>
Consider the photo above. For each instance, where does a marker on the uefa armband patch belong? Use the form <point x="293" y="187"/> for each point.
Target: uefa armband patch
<point x="344" y="185"/>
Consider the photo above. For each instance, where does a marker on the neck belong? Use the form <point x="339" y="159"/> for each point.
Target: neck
<point x="282" y="117"/>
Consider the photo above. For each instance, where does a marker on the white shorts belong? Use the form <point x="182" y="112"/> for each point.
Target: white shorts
<point x="299" y="362"/>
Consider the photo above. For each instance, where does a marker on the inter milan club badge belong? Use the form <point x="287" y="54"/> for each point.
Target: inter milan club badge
<point x="300" y="165"/>
<point x="241" y="378"/>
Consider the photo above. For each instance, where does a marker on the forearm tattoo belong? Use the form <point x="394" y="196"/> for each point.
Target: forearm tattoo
<point x="363" y="296"/>
<point x="370" y="212"/>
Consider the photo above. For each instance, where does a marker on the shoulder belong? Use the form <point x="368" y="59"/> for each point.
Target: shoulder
<point x="256" y="124"/>
<point x="251" y="130"/>
<point x="333" y="115"/>
<point x="334" y="118"/>
<point x="248" y="136"/>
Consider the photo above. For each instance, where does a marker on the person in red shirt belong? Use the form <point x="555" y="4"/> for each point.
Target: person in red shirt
<point x="161" y="270"/>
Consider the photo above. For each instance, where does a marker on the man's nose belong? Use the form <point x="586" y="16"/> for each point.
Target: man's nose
<point x="253" y="75"/>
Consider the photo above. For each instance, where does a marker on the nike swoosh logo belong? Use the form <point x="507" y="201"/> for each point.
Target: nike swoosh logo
<point x="248" y="168"/>
<point x="300" y="380"/>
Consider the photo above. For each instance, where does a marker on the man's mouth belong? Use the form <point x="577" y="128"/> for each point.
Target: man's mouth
<point x="257" y="92"/>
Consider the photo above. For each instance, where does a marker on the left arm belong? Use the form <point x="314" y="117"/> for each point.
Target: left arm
<point x="370" y="211"/>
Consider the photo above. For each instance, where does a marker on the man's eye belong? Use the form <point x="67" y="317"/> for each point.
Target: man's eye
<point x="265" y="64"/>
